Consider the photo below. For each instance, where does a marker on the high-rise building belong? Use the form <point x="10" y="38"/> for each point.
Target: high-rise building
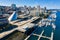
<point x="44" y="9"/>
<point x="38" y="10"/>
<point x="38" y="7"/>
<point x="13" y="6"/>
<point x="29" y="7"/>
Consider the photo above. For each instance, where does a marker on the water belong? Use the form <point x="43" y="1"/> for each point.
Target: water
<point x="44" y="38"/>
<point x="38" y="30"/>
<point x="57" y="31"/>
<point x="33" y="37"/>
<point x="48" y="30"/>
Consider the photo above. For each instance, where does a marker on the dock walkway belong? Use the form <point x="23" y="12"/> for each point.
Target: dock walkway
<point x="39" y="36"/>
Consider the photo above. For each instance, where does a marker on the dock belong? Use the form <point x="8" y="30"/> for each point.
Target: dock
<point x="40" y="36"/>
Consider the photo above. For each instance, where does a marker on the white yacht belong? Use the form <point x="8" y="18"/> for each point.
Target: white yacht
<point x="53" y="26"/>
<point x="47" y="23"/>
<point x="53" y="15"/>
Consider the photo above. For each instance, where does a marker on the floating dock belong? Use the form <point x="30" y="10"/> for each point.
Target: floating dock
<point x="39" y="36"/>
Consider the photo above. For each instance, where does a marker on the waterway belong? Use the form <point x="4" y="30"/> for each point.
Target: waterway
<point x="48" y="30"/>
<point x="57" y="23"/>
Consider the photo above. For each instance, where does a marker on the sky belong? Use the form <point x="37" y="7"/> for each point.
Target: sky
<point x="50" y="4"/>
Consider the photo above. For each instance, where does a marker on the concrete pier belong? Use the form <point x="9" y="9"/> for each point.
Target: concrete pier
<point x="21" y="26"/>
<point x="6" y="33"/>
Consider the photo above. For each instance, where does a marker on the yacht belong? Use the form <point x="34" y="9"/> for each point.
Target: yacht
<point x="53" y="15"/>
<point x="53" y="26"/>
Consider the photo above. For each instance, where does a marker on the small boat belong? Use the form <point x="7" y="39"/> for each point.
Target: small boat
<point x="47" y="23"/>
<point x="53" y="15"/>
<point x="53" y="26"/>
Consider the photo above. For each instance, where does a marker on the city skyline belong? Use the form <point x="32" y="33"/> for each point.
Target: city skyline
<point x="50" y="4"/>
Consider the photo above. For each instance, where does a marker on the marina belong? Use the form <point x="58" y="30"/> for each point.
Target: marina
<point x="46" y="33"/>
<point x="40" y="33"/>
<point x="29" y="20"/>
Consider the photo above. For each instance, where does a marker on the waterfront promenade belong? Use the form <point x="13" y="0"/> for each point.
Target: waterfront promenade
<point x="21" y="26"/>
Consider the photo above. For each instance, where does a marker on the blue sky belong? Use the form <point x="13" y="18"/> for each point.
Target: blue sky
<point x="50" y="4"/>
